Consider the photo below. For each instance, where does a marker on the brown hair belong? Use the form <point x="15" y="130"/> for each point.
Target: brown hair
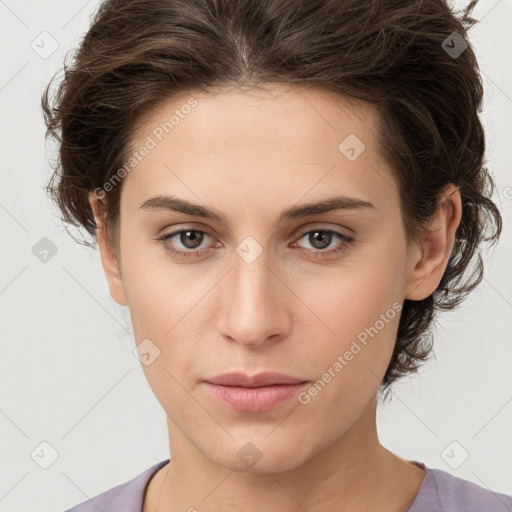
<point x="393" y="54"/>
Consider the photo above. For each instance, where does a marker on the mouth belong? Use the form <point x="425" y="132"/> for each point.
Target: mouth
<point x="258" y="393"/>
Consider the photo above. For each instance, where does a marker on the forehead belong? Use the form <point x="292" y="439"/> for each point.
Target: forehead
<point x="259" y="144"/>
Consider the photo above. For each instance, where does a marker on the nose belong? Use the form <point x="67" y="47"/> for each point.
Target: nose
<point x="254" y="303"/>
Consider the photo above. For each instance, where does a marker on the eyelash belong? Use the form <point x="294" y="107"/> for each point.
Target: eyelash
<point x="346" y="239"/>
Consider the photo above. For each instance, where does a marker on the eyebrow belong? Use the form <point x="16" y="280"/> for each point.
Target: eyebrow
<point x="339" y="202"/>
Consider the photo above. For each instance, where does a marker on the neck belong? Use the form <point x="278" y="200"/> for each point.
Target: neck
<point x="356" y="473"/>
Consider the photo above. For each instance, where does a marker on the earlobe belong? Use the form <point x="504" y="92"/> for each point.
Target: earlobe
<point x="109" y="259"/>
<point x="428" y="260"/>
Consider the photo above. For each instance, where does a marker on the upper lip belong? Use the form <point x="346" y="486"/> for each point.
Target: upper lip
<point x="253" y="381"/>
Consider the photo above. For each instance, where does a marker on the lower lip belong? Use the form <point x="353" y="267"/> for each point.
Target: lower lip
<point x="260" y="399"/>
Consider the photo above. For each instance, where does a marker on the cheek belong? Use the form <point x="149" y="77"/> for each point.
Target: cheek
<point x="350" y="364"/>
<point x="355" y="309"/>
<point x="353" y="296"/>
<point x="157" y="291"/>
<point x="166" y="304"/>
<point x="161" y="310"/>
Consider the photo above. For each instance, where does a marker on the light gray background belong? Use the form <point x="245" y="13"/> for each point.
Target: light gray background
<point x="68" y="375"/>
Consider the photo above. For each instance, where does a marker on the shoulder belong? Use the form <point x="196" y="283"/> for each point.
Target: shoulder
<point x="127" y="496"/>
<point x="444" y="492"/>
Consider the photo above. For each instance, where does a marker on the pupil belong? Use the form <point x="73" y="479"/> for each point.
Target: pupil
<point x="195" y="236"/>
<point x="321" y="235"/>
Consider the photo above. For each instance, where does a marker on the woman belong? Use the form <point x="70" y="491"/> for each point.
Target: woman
<point x="283" y="194"/>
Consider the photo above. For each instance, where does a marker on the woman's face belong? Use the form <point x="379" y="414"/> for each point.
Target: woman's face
<point x="252" y="290"/>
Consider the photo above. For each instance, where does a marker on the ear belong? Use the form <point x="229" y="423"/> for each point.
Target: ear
<point x="109" y="259"/>
<point x="428" y="259"/>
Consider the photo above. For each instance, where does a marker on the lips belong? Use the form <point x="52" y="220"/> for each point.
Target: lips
<point x="259" y="380"/>
<point x="257" y="393"/>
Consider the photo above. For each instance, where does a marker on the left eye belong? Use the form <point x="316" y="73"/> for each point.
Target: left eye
<point x="322" y="239"/>
<point x="192" y="239"/>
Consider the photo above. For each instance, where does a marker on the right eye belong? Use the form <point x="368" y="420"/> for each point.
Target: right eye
<point x="190" y="237"/>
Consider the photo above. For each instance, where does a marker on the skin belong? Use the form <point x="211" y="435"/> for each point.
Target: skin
<point x="251" y="156"/>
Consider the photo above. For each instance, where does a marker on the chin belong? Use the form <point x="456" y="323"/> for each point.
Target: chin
<point x="259" y="456"/>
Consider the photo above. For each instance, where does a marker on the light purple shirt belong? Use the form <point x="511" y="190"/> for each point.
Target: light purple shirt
<point x="439" y="492"/>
